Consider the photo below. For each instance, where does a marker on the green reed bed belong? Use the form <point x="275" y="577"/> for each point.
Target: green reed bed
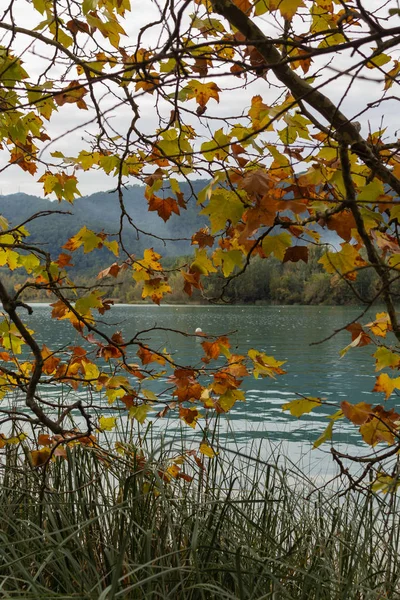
<point x="101" y="527"/>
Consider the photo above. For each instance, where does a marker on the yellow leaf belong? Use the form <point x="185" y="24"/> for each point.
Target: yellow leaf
<point x="385" y="483"/>
<point x="228" y="260"/>
<point x="224" y="206"/>
<point x="381" y="325"/>
<point x="202" y="264"/>
<point x="387" y="385"/>
<point x="207" y="450"/>
<point x="302" y="406"/>
<point x="264" y="365"/>
<point x="150" y="395"/>
<point x="107" y="423"/>
<point x="202" y="91"/>
<point x="113" y="394"/>
<point x="139" y="412"/>
<point x="345" y="262"/>
<point x="229" y="399"/>
<point x="327" y="434"/>
<point x="40" y="457"/>
<point x="91" y="371"/>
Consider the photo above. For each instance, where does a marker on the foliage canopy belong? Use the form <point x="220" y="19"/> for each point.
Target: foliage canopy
<point x="283" y="105"/>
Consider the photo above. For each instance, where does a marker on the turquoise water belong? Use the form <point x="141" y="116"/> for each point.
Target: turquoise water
<point x="288" y="333"/>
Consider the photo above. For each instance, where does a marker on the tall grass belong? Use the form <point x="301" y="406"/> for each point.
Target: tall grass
<point x="97" y="527"/>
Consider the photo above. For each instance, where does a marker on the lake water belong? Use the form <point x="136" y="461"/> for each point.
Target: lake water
<point x="285" y="332"/>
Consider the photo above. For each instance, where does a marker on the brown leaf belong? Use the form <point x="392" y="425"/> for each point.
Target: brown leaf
<point x="356" y="330"/>
<point x="73" y="93"/>
<point x="164" y="206"/>
<point x="356" y="413"/>
<point x="342" y="223"/>
<point x="296" y="253"/>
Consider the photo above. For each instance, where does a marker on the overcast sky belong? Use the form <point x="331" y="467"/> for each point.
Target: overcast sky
<point x="69" y="127"/>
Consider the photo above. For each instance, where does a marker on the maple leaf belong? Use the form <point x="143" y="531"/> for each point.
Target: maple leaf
<point x="356" y="413"/>
<point x="214" y="349"/>
<point x="190" y="416"/>
<point x="381" y="325"/>
<point x="202" y="91"/>
<point x="50" y="361"/>
<point x="244" y="5"/>
<point x="386" y="358"/>
<point x="277" y="245"/>
<point x="164" y="206"/>
<point x="296" y="253"/>
<point x="345" y="262"/>
<point x="224" y="205"/>
<point x="385" y="384"/>
<point x="302" y="406"/>
<point x="147" y="356"/>
<point x="207" y="450"/>
<point x="156" y="288"/>
<point x="203" y="238"/>
<point x="144" y="267"/>
<point x="381" y="427"/>
<point x="264" y="365"/>
<point x="107" y="423"/>
<point x="41" y="457"/>
<point x="139" y="412"/>
<point x="72" y="94"/>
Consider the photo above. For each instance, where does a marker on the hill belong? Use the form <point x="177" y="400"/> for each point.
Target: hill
<point x="100" y="212"/>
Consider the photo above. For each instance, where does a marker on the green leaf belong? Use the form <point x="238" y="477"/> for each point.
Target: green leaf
<point x="277" y="244"/>
<point x="371" y="191"/>
<point x="224" y="206"/>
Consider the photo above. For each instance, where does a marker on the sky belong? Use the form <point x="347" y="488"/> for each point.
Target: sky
<point x="70" y="128"/>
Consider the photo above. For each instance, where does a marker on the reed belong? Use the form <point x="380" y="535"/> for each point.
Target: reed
<point x="95" y="526"/>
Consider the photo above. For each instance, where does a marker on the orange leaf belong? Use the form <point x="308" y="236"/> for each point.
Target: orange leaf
<point x="356" y="413"/>
<point x="164" y="206"/>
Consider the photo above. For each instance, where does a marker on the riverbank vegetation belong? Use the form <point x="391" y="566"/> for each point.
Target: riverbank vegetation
<point x="263" y="282"/>
<point x="106" y="526"/>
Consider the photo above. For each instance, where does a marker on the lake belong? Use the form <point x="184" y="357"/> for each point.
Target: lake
<point x="285" y="332"/>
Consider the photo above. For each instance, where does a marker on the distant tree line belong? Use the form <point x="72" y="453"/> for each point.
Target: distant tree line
<point x="264" y="281"/>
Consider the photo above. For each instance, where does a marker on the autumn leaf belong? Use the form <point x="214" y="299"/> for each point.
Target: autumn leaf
<point x="40" y="457"/>
<point x="156" y="288"/>
<point x="264" y="365"/>
<point x="207" y="450"/>
<point x="287" y="8"/>
<point x="345" y="262"/>
<point x="382" y="427"/>
<point x="381" y="325"/>
<point x="139" y="412"/>
<point x="356" y="413"/>
<point x="277" y="245"/>
<point x="107" y="423"/>
<point x="72" y="94"/>
<point x="387" y="385"/>
<point x="301" y="406"/>
<point x="296" y="253"/>
<point x="164" y="206"/>
<point x="189" y="415"/>
<point x="385" y="483"/>
<point x="202" y="92"/>
<point x="386" y="358"/>
<point x="147" y="356"/>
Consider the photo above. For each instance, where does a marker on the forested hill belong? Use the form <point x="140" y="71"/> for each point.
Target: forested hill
<point x="100" y="212"/>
